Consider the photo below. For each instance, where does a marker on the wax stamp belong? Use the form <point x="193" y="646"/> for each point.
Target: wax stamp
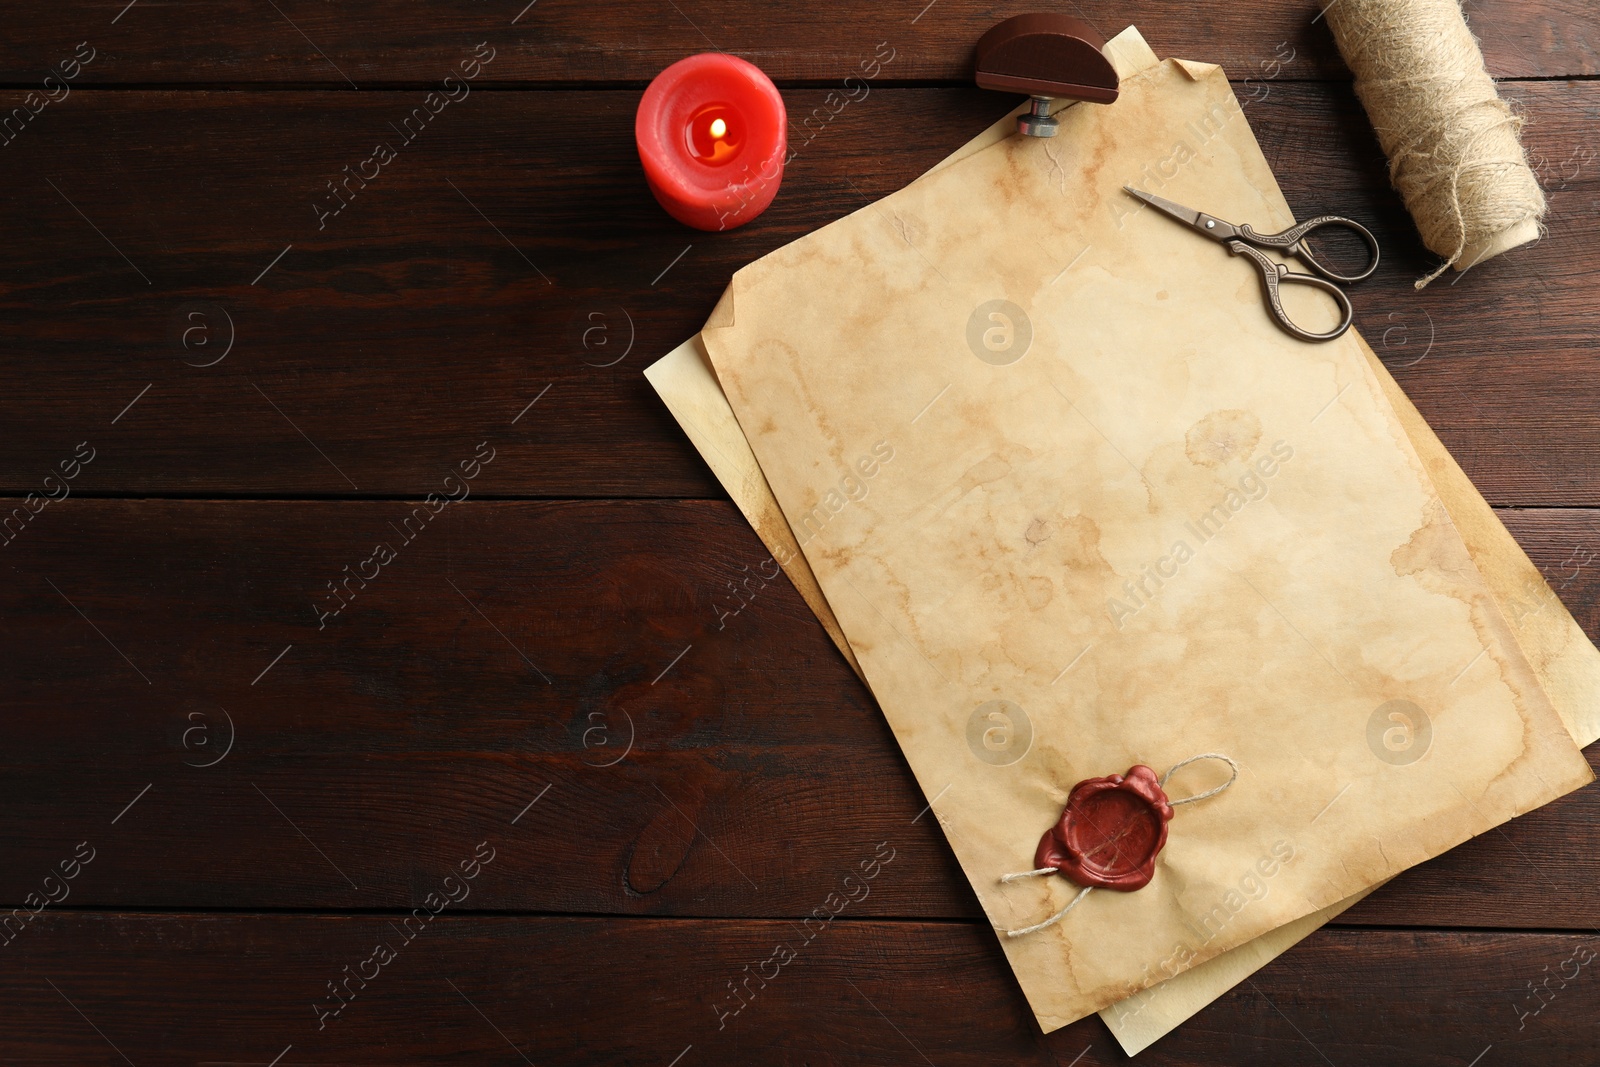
<point x="1111" y="831"/>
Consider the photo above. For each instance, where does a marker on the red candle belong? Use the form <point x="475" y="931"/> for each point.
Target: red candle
<point x="712" y="133"/>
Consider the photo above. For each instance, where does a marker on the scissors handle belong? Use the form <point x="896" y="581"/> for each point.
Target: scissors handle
<point x="1274" y="275"/>
<point x="1292" y="241"/>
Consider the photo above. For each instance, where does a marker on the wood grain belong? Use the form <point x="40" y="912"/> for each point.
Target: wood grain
<point x="241" y="989"/>
<point x="419" y="321"/>
<point x="561" y="42"/>
<point x="669" y="785"/>
<point x="369" y="750"/>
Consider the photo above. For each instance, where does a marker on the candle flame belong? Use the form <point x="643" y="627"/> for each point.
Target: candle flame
<point x="718" y="127"/>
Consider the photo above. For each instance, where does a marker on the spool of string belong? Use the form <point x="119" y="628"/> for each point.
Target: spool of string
<point x="1454" y="147"/>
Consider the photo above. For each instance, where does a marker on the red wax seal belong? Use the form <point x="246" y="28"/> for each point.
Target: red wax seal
<point x="1111" y="831"/>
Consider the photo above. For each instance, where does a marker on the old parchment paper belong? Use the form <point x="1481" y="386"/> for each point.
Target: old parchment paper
<point x="1000" y="554"/>
<point x="1563" y="658"/>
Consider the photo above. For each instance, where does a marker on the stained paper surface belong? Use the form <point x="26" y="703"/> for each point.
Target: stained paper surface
<point x="1564" y="660"/>
<point x="1323" y="577"/>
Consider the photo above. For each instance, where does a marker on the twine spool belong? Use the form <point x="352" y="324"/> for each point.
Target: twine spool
<point x="1454" y="147"/>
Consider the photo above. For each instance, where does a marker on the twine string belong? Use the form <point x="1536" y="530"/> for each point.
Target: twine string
<point x="1232" y="766"/>
<point x="1057" y="917"/>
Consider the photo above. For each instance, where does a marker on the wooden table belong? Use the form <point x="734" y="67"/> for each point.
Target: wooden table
<point x="527" y="719"/>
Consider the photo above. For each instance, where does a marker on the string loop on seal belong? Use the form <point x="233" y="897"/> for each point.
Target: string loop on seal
<point x="1234" y="767"/>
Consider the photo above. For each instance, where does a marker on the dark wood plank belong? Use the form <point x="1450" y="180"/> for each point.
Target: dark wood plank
<point x="421" y="714"/>
<point x="382" y="348"/>
<point x="185" y="988"/>
<point x="564" y="41"/>
<point x="412" y="722"/>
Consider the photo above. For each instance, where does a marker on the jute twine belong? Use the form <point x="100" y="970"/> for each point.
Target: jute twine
<point x="1454" y="147"/>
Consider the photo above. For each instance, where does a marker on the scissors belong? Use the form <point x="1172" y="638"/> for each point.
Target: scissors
<point x="1239" y="240"/>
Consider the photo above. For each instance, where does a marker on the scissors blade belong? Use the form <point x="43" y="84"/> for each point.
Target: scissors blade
<point x="1198" y="221"/>
<point x="1186" y="215"/>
